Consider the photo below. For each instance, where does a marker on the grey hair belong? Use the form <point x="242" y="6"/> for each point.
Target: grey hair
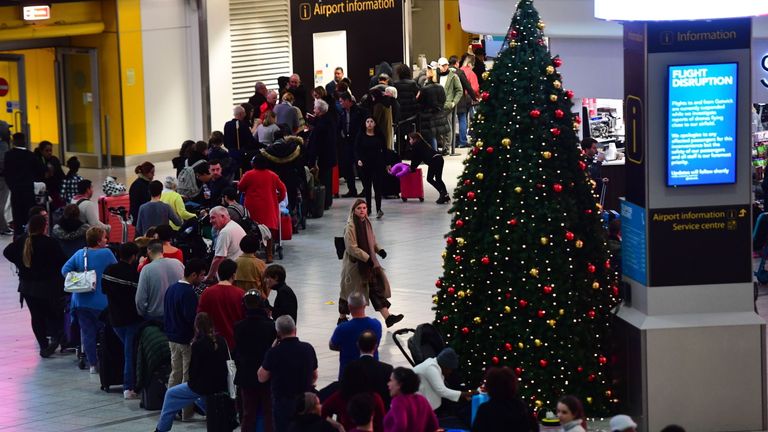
<point x="238" y="110"/>
<point x="356" y="300"/>
<point x="391" y="91"/>
<point x="285" y="325"/>
<point x="219" y="210"/>
<point x="170" y="183"/>
<point x="321" y="105"/>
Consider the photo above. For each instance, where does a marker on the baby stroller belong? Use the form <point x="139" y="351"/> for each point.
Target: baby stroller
<point x="425" y="343"/>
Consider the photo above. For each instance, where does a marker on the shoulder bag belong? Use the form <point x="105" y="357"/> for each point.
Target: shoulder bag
<point x="81" y="282"/>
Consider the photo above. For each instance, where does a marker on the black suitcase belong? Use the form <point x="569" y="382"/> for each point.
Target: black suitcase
<point x="153" y="394"/>
<point x="318" y="201"/>
<point x="111" y="358"/>
<point x="220" y="413"/>
<point x="391" y="186"/>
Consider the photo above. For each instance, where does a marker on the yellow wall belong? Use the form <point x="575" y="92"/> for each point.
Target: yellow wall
<point x="456" y="40"/>
<point x="132" y="76"/>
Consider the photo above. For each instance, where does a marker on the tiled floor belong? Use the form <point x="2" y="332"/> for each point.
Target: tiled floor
<point x="53" y="394"/>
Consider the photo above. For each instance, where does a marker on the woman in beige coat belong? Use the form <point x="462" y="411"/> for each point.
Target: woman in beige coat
<point x="361" y="270"/>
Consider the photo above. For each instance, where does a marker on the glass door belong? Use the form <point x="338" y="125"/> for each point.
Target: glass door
<point x="79" y="105"/>
<point x="13" y="98"/>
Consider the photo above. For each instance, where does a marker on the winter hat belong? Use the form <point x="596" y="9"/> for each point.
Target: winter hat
<point x="621" y="423"/>
<point x="448" y="358"/>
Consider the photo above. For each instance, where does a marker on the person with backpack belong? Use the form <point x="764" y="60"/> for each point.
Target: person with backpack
<point x="188" y="182"/>
<point x="238" y="213"/>
<point x="89" y="211"/>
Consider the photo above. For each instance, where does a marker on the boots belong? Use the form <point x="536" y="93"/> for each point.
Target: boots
<point x="270" y="250"/>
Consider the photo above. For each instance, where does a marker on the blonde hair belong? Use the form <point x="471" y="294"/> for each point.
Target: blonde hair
<point x="94" y="235"/>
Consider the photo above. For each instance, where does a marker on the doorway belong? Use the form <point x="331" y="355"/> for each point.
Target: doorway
<point x="13" y="97"/>
<point x="79" y="113"/>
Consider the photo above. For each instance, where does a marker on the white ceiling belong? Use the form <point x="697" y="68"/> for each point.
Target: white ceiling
<point x="564" y="18"/>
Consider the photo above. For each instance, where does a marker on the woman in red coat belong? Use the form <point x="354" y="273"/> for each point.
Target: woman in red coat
<point x="263" y="192"/>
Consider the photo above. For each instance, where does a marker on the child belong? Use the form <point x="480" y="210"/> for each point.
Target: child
<point x="423" y="152"/>
<point x="250" y="270"/>
<point x="69" y="184"/>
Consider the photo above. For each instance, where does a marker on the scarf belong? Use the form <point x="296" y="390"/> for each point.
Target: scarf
<point x="366" y="241"/>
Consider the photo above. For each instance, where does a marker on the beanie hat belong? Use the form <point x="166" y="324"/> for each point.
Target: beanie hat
<point x="448" y="358"/>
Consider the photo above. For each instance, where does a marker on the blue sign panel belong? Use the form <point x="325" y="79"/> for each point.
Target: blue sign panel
<point x="699" y="35"/>
<point x="701" y="124"/>
<point x="634" y="262"/>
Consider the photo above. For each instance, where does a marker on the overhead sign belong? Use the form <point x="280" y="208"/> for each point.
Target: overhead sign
<point x="701" y="124"/>
<point x="4" y="87"/>
<point x="677" y="10"/>
<point x="36" y="13"/>
<point x="681" y="36"/>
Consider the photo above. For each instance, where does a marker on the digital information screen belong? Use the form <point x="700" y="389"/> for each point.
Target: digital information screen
<point x="701" y="128"/>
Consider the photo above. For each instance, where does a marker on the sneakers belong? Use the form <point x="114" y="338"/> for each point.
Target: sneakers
<point x="130" y="395"/>
<point x="393" y="319"/>
<point x="93" y="370"/>
<point x="379" y="214"/>
<point x="6" y="232"/>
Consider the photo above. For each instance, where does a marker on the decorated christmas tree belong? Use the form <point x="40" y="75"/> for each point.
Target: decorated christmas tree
<point x="527" y="281"/>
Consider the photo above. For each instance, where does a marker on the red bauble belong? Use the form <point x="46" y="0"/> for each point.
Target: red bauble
<point x="543" y="363"/>
<point x="449" y="241"/>
<point x="591" y="377"/>
<point x="445" y="318"/>
<point x="465" y="330"/>
<point x="591" y="314"/>
<point x="569" y="235"/>
<point x="507" y="295"/>
<point x="555" y="131"/>
<point x="577" y="120"/>
<point x="547" y="289"/>
<point x="569" y="94"/>
<point x="540" y="313"/>
<point x="591" y="268"/>
<point x="582" y="165"/>
<point x="451" y="290"/>
<point x="557" y="62"/>
<point x="439" y="283"/>
<point x="607" y="263"/>
<point x="508" y="346"/>
<point x="579" y="369"/>
<point x="602" y="360"/>
<point x="495" y="360"/>
<point x="518" y="371"/>
<point x="522" y="303"/>
<point x="475" y="151"/>
<point x="489" y="150"/>
<point x="559" y="114"/>
<point x="513" y="33"/>
<point x="535" y="113"/>
<point x="467" y="182"/>
<point x="557" y="187"/>
<point x="485" y="260"/>
<point x="457" y="258"/>
<point x="485" y="95"/>
<point x="541" y="42"/>
<point x="588" y="211"/>
<point x="459" y="223"/>
<point x="615" y="290"/>
<point x="512" y="222"/>
<point x="470" y="195"/>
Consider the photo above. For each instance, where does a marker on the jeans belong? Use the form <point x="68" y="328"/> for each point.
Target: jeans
<point x="462" y="130"/>
<point x="89" y="329"/>
<point x="127" y="334"/>
<point x="176" y="398"/>
<point x="433" y="142"/>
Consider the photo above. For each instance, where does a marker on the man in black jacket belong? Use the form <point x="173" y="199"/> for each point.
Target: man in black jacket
<point x="21" y="169"/>
<point x="259" y="98"/>
<point x="238" y="139"/>
<point x="299" y="93"/>
<point x="321" y="150"/>
<point x="350" y="124"/>
<point x="254" y="336"/>
<point x="377" y="372"/>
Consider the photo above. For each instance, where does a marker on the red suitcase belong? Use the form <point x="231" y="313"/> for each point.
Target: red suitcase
<point x="113" y="220"/>
<point x="411" y="186"/>
<point x="335" y="182"/>
<point x="286" y="226"/>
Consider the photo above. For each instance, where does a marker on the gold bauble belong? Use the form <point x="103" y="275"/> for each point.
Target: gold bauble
<point x="469" y="293"/>
<point x="477" y="320"/>
<point x="550" y="70"/>
<point x="546" y="154"/>
<point x="561" y="312"/>
<point x="506" y="142"/>
<point x="537" y="342"/>
<point x="595" y="285"/>
<point x="544" y="241"/>
<point x="541" y="25"/>
<point x="557" y="84"/>
<point x="538" y="404"/>
<point x="486" y="75"/>
<point x="553" y="98"/>
<point x="480" y="117"/>
<point x="507" y="309"/>
<point x="434" y="299"/>
<point x="589" y="399"/>
<point x="479" y="176"/>
<point x="496" y="236"/>
<point x="444" y="254"/>
<point x="579" y="244"/>
<point x="461" y="294"/>
<point x="598" y="206"/>
<point x="460" y="241"/>
<point x="479" y="143"/>
<point x="518" y="189"/>
<point x="512" y="44"/>
<point x="520" y="345"/>
<point x="552" y="322"/>
<point x="534" y="272"/>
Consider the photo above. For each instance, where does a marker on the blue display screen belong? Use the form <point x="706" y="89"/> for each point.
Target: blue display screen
<point x="701" y="124"/>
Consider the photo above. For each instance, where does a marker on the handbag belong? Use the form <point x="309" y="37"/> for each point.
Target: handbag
<point x="231" y="372"/>
<point x="81" y="282"/>
<point x="340" y="246"/>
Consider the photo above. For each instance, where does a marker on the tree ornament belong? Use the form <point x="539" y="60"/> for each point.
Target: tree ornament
<point x="506" y="142"/>
<point x="537" y="342"/>
<point x="557" y="61"/>
<point x="451" y="290"/>
<point x="445" y="318"/>
<point x="489" y="150"/>
<point x="461" y="294"/>
<point x="467" y="182"/>
<point x="547" y="289"/>
<point x="553" y="98"/>
<point x="589" y="400"/>
<point x="582" y="165"/>
<point x="557" y="84"/>
<point x="534" y="272"/>
<point x="579" y="244"/>
<point x="513" y="33"/>
<point x="576" y="126"/>
<point x="449" y="241"/>
<point x="608" y="393"/>
<point x="579" y="369"/>
<point x="561" y="312"/>
<point x="477" y="320"/>
<point x="559" y="114"/>
<point x="470" y="195"/>
<point x="591" y="377"/>
<point x="544" y="241"/>
<point x="507" y="309"/>
<point x="479" y="176"/>
<point x="495" y="360"/>
<point x="540" y="313"/>
<point x="577" y="119"/>
<point x="541" y="42"/>
<point x="475" y="151"/>
<point x="591" y="268"/>
<point x="439" y="283"/>
<point x="552" y="323"/>
<point x="538" y="404"/>
<point x="434" y="299"/>
<point x="588" y="211"/>
<point x="459" y="223"/>
<point x="518" y="371"/>
<point x="508" y="346"/>
<point x="595" y="285"/>
<point x="496" y="236"/>
<point x="607" y="263"/>
<point x="569" y="94"/>
<point x="569" y="235"/>
<point x="512" y="44"/>
<point x="520" y="345"/>
<point x="535" y="113"/>
<point x="486" y="75"/>
<point x="484" y="96"/>
<point x="541" y="25"/>
<point x="518" y="189"/>
<point x="557" y="187"/>
<point x="507" y="295"/>
<point x="485" y="260"/>
<point x="546" y="154"/>
<point x="591" y="314"/>
<point x="522" y="303"/>
<point x="512" y="222"/>
<point x="550" y="70"/>
<point x="465" y="330"/>
<point x="460" y="241"/>
<point x="480" y="117"/>
<point x="479" y="143"/>
<point x="457" y="258"/>
<point x="615" y="290"/>
<point x="555" y="131"/>
<point x="540" y="185"/>
<point x="543" y="363"/>
<point x="444" y="254"/>
<point x="602" y="360"/>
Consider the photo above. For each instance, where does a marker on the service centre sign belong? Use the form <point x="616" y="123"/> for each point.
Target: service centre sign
<point x="701" y="124"/>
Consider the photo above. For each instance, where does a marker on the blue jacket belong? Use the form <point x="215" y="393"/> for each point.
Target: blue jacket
<point x="98" y="260"/>
<point x="179" y="309"/>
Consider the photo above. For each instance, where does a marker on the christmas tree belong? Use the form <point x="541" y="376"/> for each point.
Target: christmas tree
<point x="527" y="281"/>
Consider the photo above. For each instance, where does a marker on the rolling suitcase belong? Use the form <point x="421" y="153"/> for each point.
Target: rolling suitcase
<point x="114" y="220"/>
<point x="391" y="186"/>
<point x="412" y="186"/>
<point x="335" y="181"/>
<point x="286" y="227"/>
<point x="318" y="201"/>
<point x="153" y="394"/>
<point x="111" y="358"/>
